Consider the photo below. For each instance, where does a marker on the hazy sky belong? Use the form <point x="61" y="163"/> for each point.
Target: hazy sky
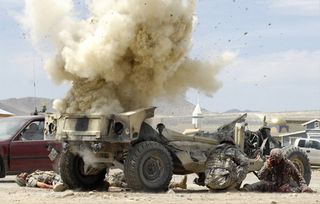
<point x="277" y="43"/>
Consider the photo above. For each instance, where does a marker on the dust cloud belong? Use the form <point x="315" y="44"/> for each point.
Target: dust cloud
<point x="119" y="54"/>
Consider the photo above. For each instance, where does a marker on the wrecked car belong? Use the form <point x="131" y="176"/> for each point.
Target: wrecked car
<point x="22" y="146"/>
<point x="149" y="157"/>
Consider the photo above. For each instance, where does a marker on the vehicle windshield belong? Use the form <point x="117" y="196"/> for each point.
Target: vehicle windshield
<point x="9" y="126"/>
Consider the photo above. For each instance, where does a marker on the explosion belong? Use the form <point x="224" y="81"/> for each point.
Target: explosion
<point x="120" y="55"/>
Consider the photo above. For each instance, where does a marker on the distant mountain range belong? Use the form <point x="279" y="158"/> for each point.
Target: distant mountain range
<point x="176" y="107"/>
<point x="26" y="106"/>
<point x="239" y="111"/>
<point x="168" y="109"/>
<point x="173" y="107"/>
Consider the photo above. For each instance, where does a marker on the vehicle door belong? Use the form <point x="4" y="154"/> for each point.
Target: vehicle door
<point x="313" y="152"/>
<point x="29" y="150"/>
<point x="304" y="144"/>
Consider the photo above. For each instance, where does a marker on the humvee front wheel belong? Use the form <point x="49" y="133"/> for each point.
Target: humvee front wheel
<point x="300" y="159"/>
<point x="72" y="173"/>
<point x="148" y="167"/>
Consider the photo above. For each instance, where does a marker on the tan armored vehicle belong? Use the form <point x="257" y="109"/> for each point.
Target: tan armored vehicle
<point x="149" y="157"/>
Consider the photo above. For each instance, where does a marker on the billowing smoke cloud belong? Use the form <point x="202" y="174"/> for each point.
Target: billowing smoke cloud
<point x="122" y="55"/>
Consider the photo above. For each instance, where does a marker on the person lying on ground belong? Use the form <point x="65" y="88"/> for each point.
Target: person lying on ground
<point x="41" y="179"/>
<point x="118" y="180"/>
<point x="52" y="180"/>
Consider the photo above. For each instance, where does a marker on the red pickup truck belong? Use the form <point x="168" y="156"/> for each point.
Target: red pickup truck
<point x="22" y="147"/>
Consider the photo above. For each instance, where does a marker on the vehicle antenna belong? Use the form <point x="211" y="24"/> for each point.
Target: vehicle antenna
<point x="34" y="88"/>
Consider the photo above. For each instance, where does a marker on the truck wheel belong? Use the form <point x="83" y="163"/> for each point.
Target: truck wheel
<point x="71" y="171"/>
<point x="148" y="167"/>
<point x="2" y="168"/>
<point x="300" y="159"/>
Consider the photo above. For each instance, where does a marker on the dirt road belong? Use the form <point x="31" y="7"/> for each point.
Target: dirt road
<point x="11" y="193"/>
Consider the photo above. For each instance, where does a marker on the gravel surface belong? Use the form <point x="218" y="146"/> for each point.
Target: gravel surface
<point x="10" y="192"/>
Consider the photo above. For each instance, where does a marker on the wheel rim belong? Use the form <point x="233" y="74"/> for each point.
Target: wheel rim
<point x="298" y="164"/>
<point x="152" y="168"/>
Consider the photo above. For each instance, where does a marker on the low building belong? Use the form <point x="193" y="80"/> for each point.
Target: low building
<point x="311" y="131"/>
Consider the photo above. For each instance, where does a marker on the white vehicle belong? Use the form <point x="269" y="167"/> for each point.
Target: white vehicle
<point x="311" y="147"/>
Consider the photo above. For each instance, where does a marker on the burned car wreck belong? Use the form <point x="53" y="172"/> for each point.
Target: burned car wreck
<point x="149" y="157"/>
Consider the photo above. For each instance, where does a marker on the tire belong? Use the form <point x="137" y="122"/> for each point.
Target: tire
<point x="2" y="168"/>
<point x="71" y="166"/>
<point x="148" y="167"/>
<point x="300" y="159"/>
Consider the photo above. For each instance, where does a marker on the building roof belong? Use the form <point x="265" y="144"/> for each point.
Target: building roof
<point x="311" y="121"/>
<point x="3" y="112"/>
<point x="292" y="133"/>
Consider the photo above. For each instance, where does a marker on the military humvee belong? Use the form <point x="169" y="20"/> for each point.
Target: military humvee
<point x="92" y="144"/>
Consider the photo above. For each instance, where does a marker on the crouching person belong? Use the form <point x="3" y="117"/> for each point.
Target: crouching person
<point x="276" y="174"/>
<point x="226" y="166"/>
<point x="41" y="179"/>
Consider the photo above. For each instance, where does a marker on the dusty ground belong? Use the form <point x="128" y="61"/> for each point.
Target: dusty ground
<point x="11" y="193"/>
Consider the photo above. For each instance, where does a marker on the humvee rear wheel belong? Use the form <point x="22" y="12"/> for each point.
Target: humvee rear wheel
<point x="300" y="159"/>
<point x="148" y="167"/>
<point x="72" y="173"/>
